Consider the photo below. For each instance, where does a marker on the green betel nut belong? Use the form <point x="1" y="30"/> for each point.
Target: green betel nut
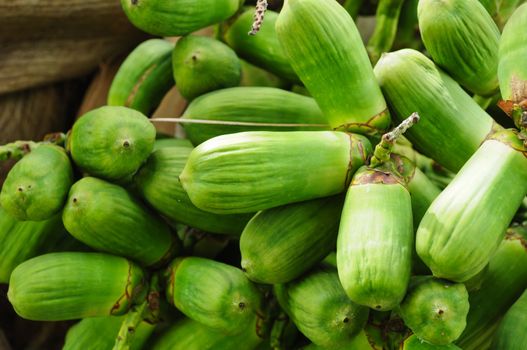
<point x="414" y="343"/>
<point x="111" y="142"/>
<point x="67" y="286"/>
<point x="435" y="310"/>
<point x="36" y="187"/>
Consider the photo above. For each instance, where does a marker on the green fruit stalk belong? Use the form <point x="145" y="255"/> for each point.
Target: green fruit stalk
<point x="320" y="308"/>
<point x="37" y="186"/>
<point x="386" y="23"/>
<point x="202" y="64"/>
<point x="108" y="218"/>
<point x="249" y="105"/>
<point x="144" y="77"/>
<point x="465" y="224"/>
<point x="280" y="244"/>
<point x="67" y="286"/>
<point x="463" y="39"/>
<point x="111" y="142"/>
<point x="251" y="171"/>
<point x="157" y="181"/>
<point x="326" y="51"/>
<point x="511" y="332"/>
<point x="177" y="17"/>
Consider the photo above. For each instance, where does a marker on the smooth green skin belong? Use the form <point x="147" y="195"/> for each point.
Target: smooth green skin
<point x="68" y="286"/>
<point x="202" y="64"/>
<point x="177" y="17"/>
<point x="463" y="39"/>
<point x="423" y="192"/>
<point x="111" y="142"/>
<point x="251" y="104"/>
<point x="503" y="284"/>
<point x="108" y="218"/>
<point x="466" y="223"/>
<point x="101" y="333"/>
<point x="22" y="240"/>
<point x="251" y="171"/>
<point x="270" y="243"/>
<point x="511" y="332"/>
<point x="256" y="76"/>
<point x="320" y="308"/>
<point x="36" y="187"/>
<point x="512" y="68"/>
<point x="215" y="294"/>
<point x="435" y="310"/>
<point x="171" y="142"/>
<point x="452" y="125"/>
<point x="360" y="342"/>
<point x="263" y="49"/>
<point x="326" y="51"/>
<point x="190" y="335"/>
<point x="158" y="183"/>
<point x="374" y="245"/>
<point x="144" y="77"/>
<point x="414" y="343"/>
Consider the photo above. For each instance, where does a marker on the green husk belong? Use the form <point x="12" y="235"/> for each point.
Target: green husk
<point x="251" y="171"/>
<point x="511" y="332"/>
<point x="67" y="286"/>
<point x="251" y="104"/>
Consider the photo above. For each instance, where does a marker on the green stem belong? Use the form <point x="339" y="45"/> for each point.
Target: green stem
<point x="387" y="19"/>
<point x="483" y="101"/>
<point x="353" y="7"/>
<point x="261" y="7"/>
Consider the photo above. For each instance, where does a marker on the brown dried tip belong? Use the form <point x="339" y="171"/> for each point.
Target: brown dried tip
<point x="261" y="7"/>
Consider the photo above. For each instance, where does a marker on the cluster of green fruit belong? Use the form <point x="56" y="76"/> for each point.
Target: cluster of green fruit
<point x="349" y="237"/>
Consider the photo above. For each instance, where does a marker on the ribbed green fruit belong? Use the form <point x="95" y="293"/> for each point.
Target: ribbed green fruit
<point x="202" y="64"/>
<point x="22" y="240"/>
<point x="67" y="286"/>
<point x="158" y="183"/>
<point x="111" y="142"/>
<point x="251" y="171"/>
<point x="511" y="332"/>
<point x="250" y="104"/>
<point x="465" y="224"/>
<point x="512" y="69"/>
<point x="320" y="308"/>
<point x="215" y="294"/>
<point x="263" y="49"/>
<point x="375" y="240"/>
<point x="463" y="39"/>
<point x="36" y="187"/>
<point x="280" y="244"/>
<point x="144" y="77"/>
<point x="101" y="332"/>
<point x="326" y="51"/>
<point x="414" y="343"/>
<point x="177" y="17"/>
<point x="108" y="218"/>
<point x="435" y="310"/>
<point x="452" y="125"/>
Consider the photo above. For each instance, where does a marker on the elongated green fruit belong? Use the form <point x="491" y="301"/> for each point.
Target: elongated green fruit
<point x="503" y="284"/>
<point x="463" y="39"/>
<point x="36" y="187"/>
<point x="264" y="49"/>
<point x="251" y="104"/>
<point x="414" y="343"/>
<point x="374" y="246"/>
<point x="215" y="294"/>
<point x="320" y="308"/>
<point x="326" y="51"/>
<point x="67" y="286"/>
<point x="466" y="223"/>
<point x="435" y="310"/>
<point x="359" y="342"/>
<point x="158" y="183"/>
<point x="108" y="218"/>
<point x="144" y="77"/>
<point x="256" y="76"/>
<point x="512" y="69"/>
<point x="270" y="247"/>
<point x="452" y="125"/>
<point x="111" y="142"/>
<point x="22" y="240"/>
<point x="511" y="332"/>
<point x="202" y="64"/>
<point x="177" y="17"/>
<point x="171" y="142"/>
<point x="101" y="332"/>
<point x="251" y="171"/>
